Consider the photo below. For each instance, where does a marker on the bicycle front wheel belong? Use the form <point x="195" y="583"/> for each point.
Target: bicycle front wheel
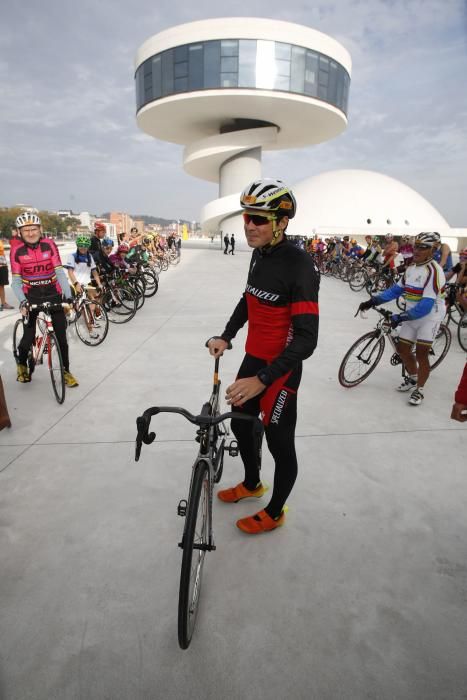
<point x="440" y="347"/>
<point x="56" y="369"/>
<point x="361" y="359"/>
<point x="462" y="332"/>
<point x="195" y="537"/>
<point x="92" y="324"/>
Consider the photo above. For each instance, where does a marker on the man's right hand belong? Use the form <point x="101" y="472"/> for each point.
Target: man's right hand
<point x="216" y="346"/>
<point x="24" y="308"/>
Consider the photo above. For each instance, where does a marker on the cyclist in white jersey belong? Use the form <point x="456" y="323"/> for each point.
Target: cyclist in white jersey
<point x="422" y="286"/>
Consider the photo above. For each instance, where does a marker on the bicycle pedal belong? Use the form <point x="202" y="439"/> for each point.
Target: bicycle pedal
<point x="395" y="360"/>
<point x="181" y="508"/>
<point x="232" y="448"/>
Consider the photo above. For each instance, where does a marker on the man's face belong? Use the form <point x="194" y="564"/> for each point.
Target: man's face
<point x="259" y="229"/>
<point x="421" y="253"/>
<point x="100" y="232"/>
<point x="31" y="233"/>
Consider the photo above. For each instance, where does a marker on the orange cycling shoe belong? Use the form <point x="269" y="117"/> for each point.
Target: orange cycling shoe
<point x="238" y="492"/>
<point x="261" y="522"/>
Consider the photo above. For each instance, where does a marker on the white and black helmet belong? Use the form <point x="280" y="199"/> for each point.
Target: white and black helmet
<point x="27" y="219"/>
<point x="429" y="239"/>
<point x="269" y="195"/>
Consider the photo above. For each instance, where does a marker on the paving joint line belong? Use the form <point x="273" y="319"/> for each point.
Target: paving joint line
<point x="72" y="408"/>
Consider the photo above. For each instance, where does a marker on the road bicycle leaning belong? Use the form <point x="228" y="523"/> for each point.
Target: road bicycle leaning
<point x="45" y="343"/>
<point x="198" y="538"/>
<point x="364" y="355"/>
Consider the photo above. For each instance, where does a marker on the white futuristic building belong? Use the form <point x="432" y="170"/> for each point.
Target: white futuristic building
<point x="369" y="203"/>
<point x="228" y="88"/>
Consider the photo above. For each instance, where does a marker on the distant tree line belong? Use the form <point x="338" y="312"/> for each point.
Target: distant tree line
<point x="149" y="219"/>
<point x="52" y="223"/>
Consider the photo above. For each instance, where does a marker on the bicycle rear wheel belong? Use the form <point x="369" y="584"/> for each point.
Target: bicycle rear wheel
<point x="361" y="359"/>
<point x="56" y="369"/>
<point x="120" y="305"/>
<point x="195" y="536"/>
<point x="358" y="279"/>
<point x="462" y="332"/>
<point x="440" y="347"/>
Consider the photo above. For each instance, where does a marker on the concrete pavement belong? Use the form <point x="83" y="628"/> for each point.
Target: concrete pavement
<point x="363" y="594"/>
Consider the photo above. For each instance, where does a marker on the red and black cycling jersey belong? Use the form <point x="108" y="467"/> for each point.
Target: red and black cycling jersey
<point x="280" y="303"/>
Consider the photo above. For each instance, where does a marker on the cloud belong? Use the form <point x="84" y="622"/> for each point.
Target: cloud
<point x="68" y="125"/>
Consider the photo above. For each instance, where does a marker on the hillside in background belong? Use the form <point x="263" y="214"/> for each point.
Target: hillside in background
<point x="150" y="219"/>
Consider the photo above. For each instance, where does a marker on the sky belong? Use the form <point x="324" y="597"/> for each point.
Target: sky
<point x="68" y="133"/>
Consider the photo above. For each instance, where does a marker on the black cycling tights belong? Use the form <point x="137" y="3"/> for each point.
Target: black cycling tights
<point x="278" y="405"/>
<point x="59" y="324"/>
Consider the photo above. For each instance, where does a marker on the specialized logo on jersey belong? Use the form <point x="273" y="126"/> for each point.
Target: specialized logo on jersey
<point x="261" y="294"/>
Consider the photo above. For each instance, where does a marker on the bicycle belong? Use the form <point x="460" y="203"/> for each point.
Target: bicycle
<point x="89" y="319"/>
<point x="462" y="331"/>
<point x="207" y="470"/>
<point x="364" y="355"/>
<point x="45" y="343"/>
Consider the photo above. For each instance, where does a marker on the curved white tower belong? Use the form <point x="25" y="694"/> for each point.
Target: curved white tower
<point x="228" y="88"/>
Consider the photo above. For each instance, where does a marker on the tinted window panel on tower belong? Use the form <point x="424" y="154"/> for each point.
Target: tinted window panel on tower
<point x="195" y="67"/>
<point x="181" y="84"/>
<point x="247" y="63"/>
<point x="332" y="86"/>
<point x="156" y="77"/>
<point x="297" y="69"/>
<point x="229" y="47"/>
<point x="311" y="74"/>
<point x="167" y="72"/>
<point x="181" y="54"/>
<point x="229" y="64"/>
<point x="212" y="60"/>
<point x="181" y="70"/>
<point x="229" y="80"/>
<point x="282" y="51"/>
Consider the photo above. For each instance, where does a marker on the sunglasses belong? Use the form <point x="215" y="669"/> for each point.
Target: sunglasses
<point x="257" y="219"/>
<point x="418" y="246"/>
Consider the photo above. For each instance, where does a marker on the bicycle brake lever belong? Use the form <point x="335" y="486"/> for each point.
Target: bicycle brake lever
<point x="142" y="423"/>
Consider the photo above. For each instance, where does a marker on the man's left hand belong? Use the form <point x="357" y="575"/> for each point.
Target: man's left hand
<point x="242" y="390"/>
<point x="459" y="412"/>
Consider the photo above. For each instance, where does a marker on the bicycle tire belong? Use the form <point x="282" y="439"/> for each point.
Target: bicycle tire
<point x="56" y="372"/>
<point x="18" y="331"/>
<point x="152" y="283"/>
<point x="357" y="280"/>
<point x="86" y="315"/>
<point x="190" y="576"/>
<point x="455" y="313"/>
<point x="120" y="311"/>
<point x="462" y="332"/>
<point x="440" y="346"/>
<point x="345" y="373"/>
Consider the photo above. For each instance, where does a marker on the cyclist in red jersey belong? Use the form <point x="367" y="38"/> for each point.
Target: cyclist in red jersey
<point x="38" y="276"/>
<point x="280" y="304"/>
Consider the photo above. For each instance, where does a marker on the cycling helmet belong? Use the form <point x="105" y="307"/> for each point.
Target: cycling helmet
<point x="388" y="237"/>
<point x="123" y="248"/>
<point x="107" y="243"/>
<point x="83" y="242"/>
<point x="27" y="219"/>
<point x="463" y="253"/>
<point x="269" y="195"/>
<point x="147" y="240"/>
<point x="99" y="226"/>
<point x="428" y="240"/>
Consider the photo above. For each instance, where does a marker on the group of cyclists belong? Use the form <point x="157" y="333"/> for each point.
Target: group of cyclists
<point x="39" y="276"/>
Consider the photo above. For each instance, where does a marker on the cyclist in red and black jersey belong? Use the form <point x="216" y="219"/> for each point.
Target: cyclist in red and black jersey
<point x="38" y="276"/>
<point x="280" y="304"/>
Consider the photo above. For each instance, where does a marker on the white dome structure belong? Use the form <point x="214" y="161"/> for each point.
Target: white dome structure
<point x="357" y="202"/>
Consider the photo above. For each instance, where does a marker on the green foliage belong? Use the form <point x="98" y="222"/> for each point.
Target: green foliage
<point x="7" y="220"/>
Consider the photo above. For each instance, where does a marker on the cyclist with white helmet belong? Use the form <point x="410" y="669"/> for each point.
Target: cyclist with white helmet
<point x="280" y="305"/>
<point x="422" y="286"/>
<point x="38" y="276"/>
